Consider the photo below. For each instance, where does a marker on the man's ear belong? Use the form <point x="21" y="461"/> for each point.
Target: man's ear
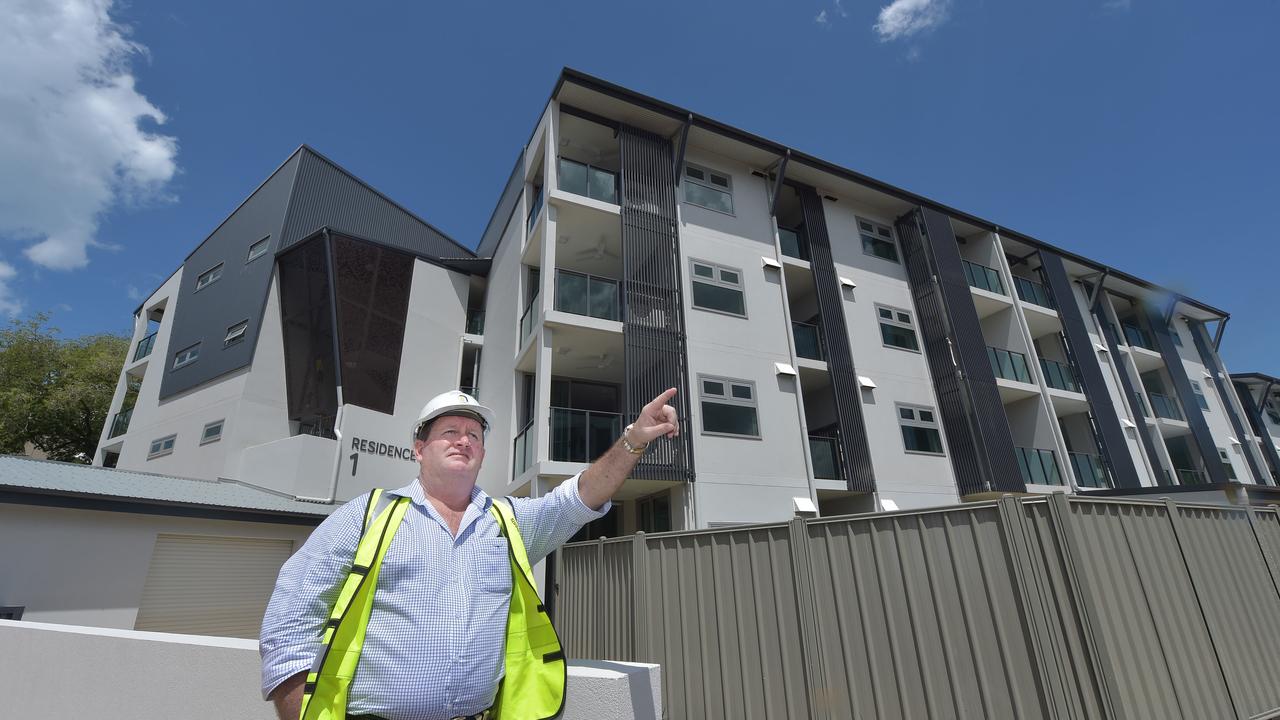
<point x="417" y="449"/>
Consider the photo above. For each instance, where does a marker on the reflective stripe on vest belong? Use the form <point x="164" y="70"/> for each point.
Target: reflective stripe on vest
<point x="535" y="669"/>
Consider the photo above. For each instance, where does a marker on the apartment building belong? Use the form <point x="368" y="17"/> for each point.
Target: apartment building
<point x="839" y="344"/>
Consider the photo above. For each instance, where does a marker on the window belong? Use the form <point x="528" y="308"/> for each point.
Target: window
<point x="1195" y="388"/>
<point x="162" y="446"/>
<point x="728" y="406"/>
<point x="896" y="329"/>
<point x="1226" y="464"/>
<point x="717" y="288"/>
<point x="877" y="240"/>
<point x="235" y="333"/>
<point x="258" y="249"/>
<point x="212" y="432"/>
<point x="653" y="513"/>
<point x="209" y="277"/>
<point x="920" y="430"/>
<point x="708" y="189"/>
<point x="186" y="356"/>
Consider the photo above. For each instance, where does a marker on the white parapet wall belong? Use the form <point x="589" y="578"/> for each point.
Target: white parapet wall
<point x="66" y="671"/>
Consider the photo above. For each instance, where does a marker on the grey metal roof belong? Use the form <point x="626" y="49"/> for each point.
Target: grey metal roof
<point x="47" y="477"/>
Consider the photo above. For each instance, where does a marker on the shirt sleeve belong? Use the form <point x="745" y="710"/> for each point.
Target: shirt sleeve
<point x="304" y="594"/>
<point x="547" y="522"/>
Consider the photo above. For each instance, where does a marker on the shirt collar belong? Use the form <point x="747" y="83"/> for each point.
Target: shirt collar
<point x="418" y="496"/>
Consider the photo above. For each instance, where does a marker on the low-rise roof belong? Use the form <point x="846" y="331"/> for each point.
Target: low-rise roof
<point x="28" y="476"/>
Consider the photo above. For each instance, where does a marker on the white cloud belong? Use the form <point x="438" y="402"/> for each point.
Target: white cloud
<point x="840" y="9"/>
<point x="821" y="18"/>
<point x="133" y="293"/>
<point x="904" y="18"/>
<point x="72" y="141"/>
<point x="1117" y="5"/>
<point x="9" y="305"/>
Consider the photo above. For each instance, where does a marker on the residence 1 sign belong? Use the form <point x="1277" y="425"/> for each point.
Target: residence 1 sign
<point x="376" y="448"/>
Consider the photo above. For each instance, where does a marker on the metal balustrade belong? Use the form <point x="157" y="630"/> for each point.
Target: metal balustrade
<point x="582" y="435"/>
<point x="523" y="451"/>
<point x="1059" y="375"/>
<point x="526" y="321"/>
<point x="1038" y="466"/>
<point x="1033" y="292"/>
<point x="1165" y="407"/>
<point x="144" y="347"/>
<point x="1089" y="470"/>
<point x="1008" y="364"/>
<point x="120" y="423"/>
<point x="983" y="277"/>
<point x="589" y="295"/>
<point x="1137" y="337"/>
<point x="589" y="181"/>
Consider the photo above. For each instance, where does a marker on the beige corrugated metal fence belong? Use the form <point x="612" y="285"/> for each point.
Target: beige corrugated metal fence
<point x="1055" y="607"/>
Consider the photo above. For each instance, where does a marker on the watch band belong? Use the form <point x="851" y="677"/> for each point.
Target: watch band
<point x="626" y="442"/>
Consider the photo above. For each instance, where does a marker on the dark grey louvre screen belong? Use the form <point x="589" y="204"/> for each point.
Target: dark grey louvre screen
<point x="1209" y="357"/>
<point x="978" y="435"/>
<point x="653" y="324"/>
<point x="1186" y="396"/>
<point x="856" y="470"/>
<point x="1111" y="440"/>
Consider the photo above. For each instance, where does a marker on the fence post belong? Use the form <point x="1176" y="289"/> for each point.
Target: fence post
<point x="641" y="650"/>
<point x="816" y="694"/>
<point x="1175" y="522"/>
<point x="1272" y="569"/>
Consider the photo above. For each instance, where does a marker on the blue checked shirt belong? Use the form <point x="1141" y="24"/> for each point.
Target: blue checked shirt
<point x="435" y="642"/>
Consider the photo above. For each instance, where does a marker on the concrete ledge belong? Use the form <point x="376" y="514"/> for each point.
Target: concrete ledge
<point x="57" y="671"/>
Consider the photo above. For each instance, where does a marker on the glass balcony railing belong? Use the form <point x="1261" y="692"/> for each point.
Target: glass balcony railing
<point x="587" y="295"/>
<point x="1038" y="467"/>
<point x="1008" y="364"/>
<point x="120" y="423"/>
<point x="1089" y="470"/>
<point x="582" y="435"/>
<point x="1165" y="406"/>
<point x="526" y="321"/>
<point x="475" y="321"/>
<point x="587" y="180"/>
<point x="1137" y="337"/>
<point x="144" y="347"/>
<point x="1059" y="375"/>
<point x="1190" y="477"/>
<point x="534" y="208"/>
<point x="983" y="277"/>
<point x="1033" y="292"/>
<point x="825" y="452"/>
<point x="523" y="456"/>
<point x="808" y="340"/>
<point x="794" y="243"/>
<point x="1142" y="404"/>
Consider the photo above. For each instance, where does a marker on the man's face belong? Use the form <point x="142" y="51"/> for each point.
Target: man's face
<point x="454" y="447"/>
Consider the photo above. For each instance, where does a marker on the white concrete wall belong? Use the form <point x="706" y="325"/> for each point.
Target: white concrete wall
<point x="57" y="671"/>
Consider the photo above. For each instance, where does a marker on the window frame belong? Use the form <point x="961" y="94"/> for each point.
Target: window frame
<point x="894" y="321"/>
<point x="204" y="433"/>
<point x="153" y="452"/>
<point x="184" y="363"/>
<point x="728" y="398"/>
<point x="717" y="281"/>
<point x="728" y="190"/>
<point x="266" y="245"/>
<point x="1227" y="464"/>
<point x="228" y="340"/>
<point x="1201" y="398"/>
<point x="864" y="235"/>
<point x="202" y="283"/>
<point x="915" y="421"/>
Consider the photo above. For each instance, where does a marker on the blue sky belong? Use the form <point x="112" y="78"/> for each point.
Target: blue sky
<point x="1139" y="133"/>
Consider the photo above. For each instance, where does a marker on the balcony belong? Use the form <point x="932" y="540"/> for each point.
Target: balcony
<point x="1033" y="292"/>
<point x="1137" y="337"/>
<point x="475" y="321"/>
<point x="1142" y="404"/>
<point x="120" y="423"/>
<point x="1009" y="365"/>
<point x="1038" y="467"/>
<point x="808" y="340"/>
<point x="526" y="321"/>
<point x="522" y="457"/>
<point x="794" y="243"/>
<point x="1190" y="477"/>
<point x="582" y="435"/>
<point x="825" y="452"/>
<point x="983" y="277"/>
<point x="1059" y="375"/>
<point x="1165" y="407"/>
<point x="588" y="181"/>
<point x="1089" y="470"/>
<point x="534" y="208"/>
<point x="144" y="347"/>
<point x="588" y="295"/>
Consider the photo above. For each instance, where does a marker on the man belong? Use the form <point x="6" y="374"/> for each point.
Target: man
<point x="435" y="635"/>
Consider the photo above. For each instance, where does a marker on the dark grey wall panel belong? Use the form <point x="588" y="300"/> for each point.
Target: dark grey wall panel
<point x="240" y="294"/>
<point x="328" y="196"/>
<point x="856" y="469"/>
<point x="1259" y="426"/>
<point x="1130" y="392"/>
<point x="1186" y="396"/>
<point x="653" y="325"/>
<point x="1114" y="447"/>
<point x="978" y="434"/>
<point x="1209" y="357"/>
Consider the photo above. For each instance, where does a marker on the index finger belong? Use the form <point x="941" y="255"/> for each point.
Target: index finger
<point x="661" y="400"/>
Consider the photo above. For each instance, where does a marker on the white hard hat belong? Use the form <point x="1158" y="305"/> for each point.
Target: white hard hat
<point x="453" y="402"/>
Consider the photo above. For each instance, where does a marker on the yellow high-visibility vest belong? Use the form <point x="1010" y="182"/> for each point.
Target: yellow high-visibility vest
<point x="533" y="685"/>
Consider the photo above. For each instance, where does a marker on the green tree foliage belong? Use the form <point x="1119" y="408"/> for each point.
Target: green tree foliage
<point x="55" y="393"/>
